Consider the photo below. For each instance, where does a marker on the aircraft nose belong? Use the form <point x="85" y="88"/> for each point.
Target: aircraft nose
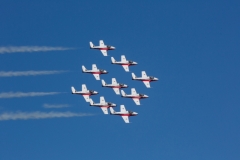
<point x="146" y="96"/>
<point x="96" y="92"/>
<point x="113" y="47"/>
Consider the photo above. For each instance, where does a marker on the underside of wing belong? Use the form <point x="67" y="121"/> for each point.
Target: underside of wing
<point x="147" y="84"/>
<point x="136" y="100"/>
<point x="104" y="52"/>
<point x="105" y="110"/>
<point x="97" y="76"/>
<point x="126" y="68"/>
<point x="86" y="97"/>
<point x="116" y="90"/>
<point x="126" y="119"/>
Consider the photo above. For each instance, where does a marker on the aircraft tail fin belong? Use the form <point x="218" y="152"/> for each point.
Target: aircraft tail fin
<point x="83" y="68"/>
<point x="111" y="110"/>
<point x="103" y="83"/>
<point x="73" y="90"/>
<point x="133" y="76"/>
<point x="91" y="44"/>
<point x="113" y="60"/>
<point x="123" y="93"/>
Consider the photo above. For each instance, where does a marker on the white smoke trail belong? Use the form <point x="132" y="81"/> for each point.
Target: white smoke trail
<point x="28" y="73"/>
<point x="26" y="94"/>
<point x="38" y="115"/>
<point x="14" y="49"/>
<point x="56" y="105"/>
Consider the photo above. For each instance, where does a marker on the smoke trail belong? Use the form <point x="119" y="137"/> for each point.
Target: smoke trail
<point x="26" y="94"/>
<point x="14" y="49"/>
<point x="38" y="115"/>
<point x="56" y="105"/>
<point x="28" y="73"/>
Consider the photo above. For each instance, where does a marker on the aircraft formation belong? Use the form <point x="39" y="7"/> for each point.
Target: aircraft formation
<point x="117" y="87"/>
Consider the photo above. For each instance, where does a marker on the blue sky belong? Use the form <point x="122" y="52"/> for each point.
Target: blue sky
<point x="192" y="112"/>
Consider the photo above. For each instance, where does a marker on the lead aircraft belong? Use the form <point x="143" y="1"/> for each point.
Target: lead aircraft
<point x="145" y="79"/>
<point x="102" y="47"/>
<point x="85" y="93"/>
<point x="124" y="63"/>
<point x="95" y="71"/>
<point x="134" y="95"/>
<point x="115" y="86"/>
<point x="123" y="113"/>
<point x="103" y="104"/>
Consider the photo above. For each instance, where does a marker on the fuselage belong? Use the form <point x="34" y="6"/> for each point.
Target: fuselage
<point x="149" y="79"/>
<point x="96" y="71"/>
<point x="86" y="92"/>
<point x="139" y="96"/>
<point x="127" y="63"/>
<point x="107" y="104"/>
<point x="103" y="47"/>
<point x="127" y="113"/>
<point x="116" y="85"/>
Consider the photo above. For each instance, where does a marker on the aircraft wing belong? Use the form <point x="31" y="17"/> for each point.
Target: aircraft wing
<point x="147" y="84"/>
<point x="126" y="68"/>
<point x="126" y="119"/>
<point x="116" y="90"/>
<point x="86" y="97"/>
<point x="102" y="100"/>
<point x="101" y="43"/>
<point x="133" y="91"/>
<point x="144" y="74"/>
<point x="84" y="87"/>
<point x="94" y="67"/>
<point x="114" y="81"/>
<point x="97" y="76"/>
<point x="123" y="58"/>
<point x="105" y="110"/>
<point x="104" y="52"/>
<point x="136" y="100"/>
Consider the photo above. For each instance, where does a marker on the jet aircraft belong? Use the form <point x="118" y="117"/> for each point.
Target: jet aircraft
<point x="102" y="47"/>
<point x="124" y="63"/>
<point x="115" y="86"/>
<point x="134" y="95"/>
<point x="85" y="93"/>
<point x="103" y="104"/>
<point x="123" y="113"/>
<point x="95" y="71"/>
<point x="145" y="79"/>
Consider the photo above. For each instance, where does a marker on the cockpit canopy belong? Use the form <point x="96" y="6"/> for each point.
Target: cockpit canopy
<point x="130" y="61"/>
<point x="109" y="46"/>
<point x="141" y="95"/>
<point x="91" y="91"/>
<point x="151" y="77"/>
<point x="101" y="70"/>
<point x="121" y="84"/>
<point x="130" y="112"/>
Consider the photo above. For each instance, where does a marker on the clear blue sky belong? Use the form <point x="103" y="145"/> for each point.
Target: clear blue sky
<point x="192" y="46"/>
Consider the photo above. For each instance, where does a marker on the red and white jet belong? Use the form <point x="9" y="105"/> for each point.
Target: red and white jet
<point x="85" y="93"/>
<point x="95" y="71"/>
<point x="134" y="95"/>
<point x="123" y="113"/>
<point x="115" y="86"/>
<point x="102" y="47"/>
<point x="145" y="79"/>
<point x="124" y="63"/>
<point x="103" y="104"/>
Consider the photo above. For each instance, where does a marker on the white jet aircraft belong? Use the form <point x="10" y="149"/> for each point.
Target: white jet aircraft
<point x="145" y="79"/>
<point x="134" y="95"/>
<point x="125" y="63"/>
<point x="85" y="93"/>
<point x="115" y="86"/>
<point x="103" y="104"/>
<point x="102" y="47"/>
<point x="95" y="71"/>
<point x="123" y="113"/>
